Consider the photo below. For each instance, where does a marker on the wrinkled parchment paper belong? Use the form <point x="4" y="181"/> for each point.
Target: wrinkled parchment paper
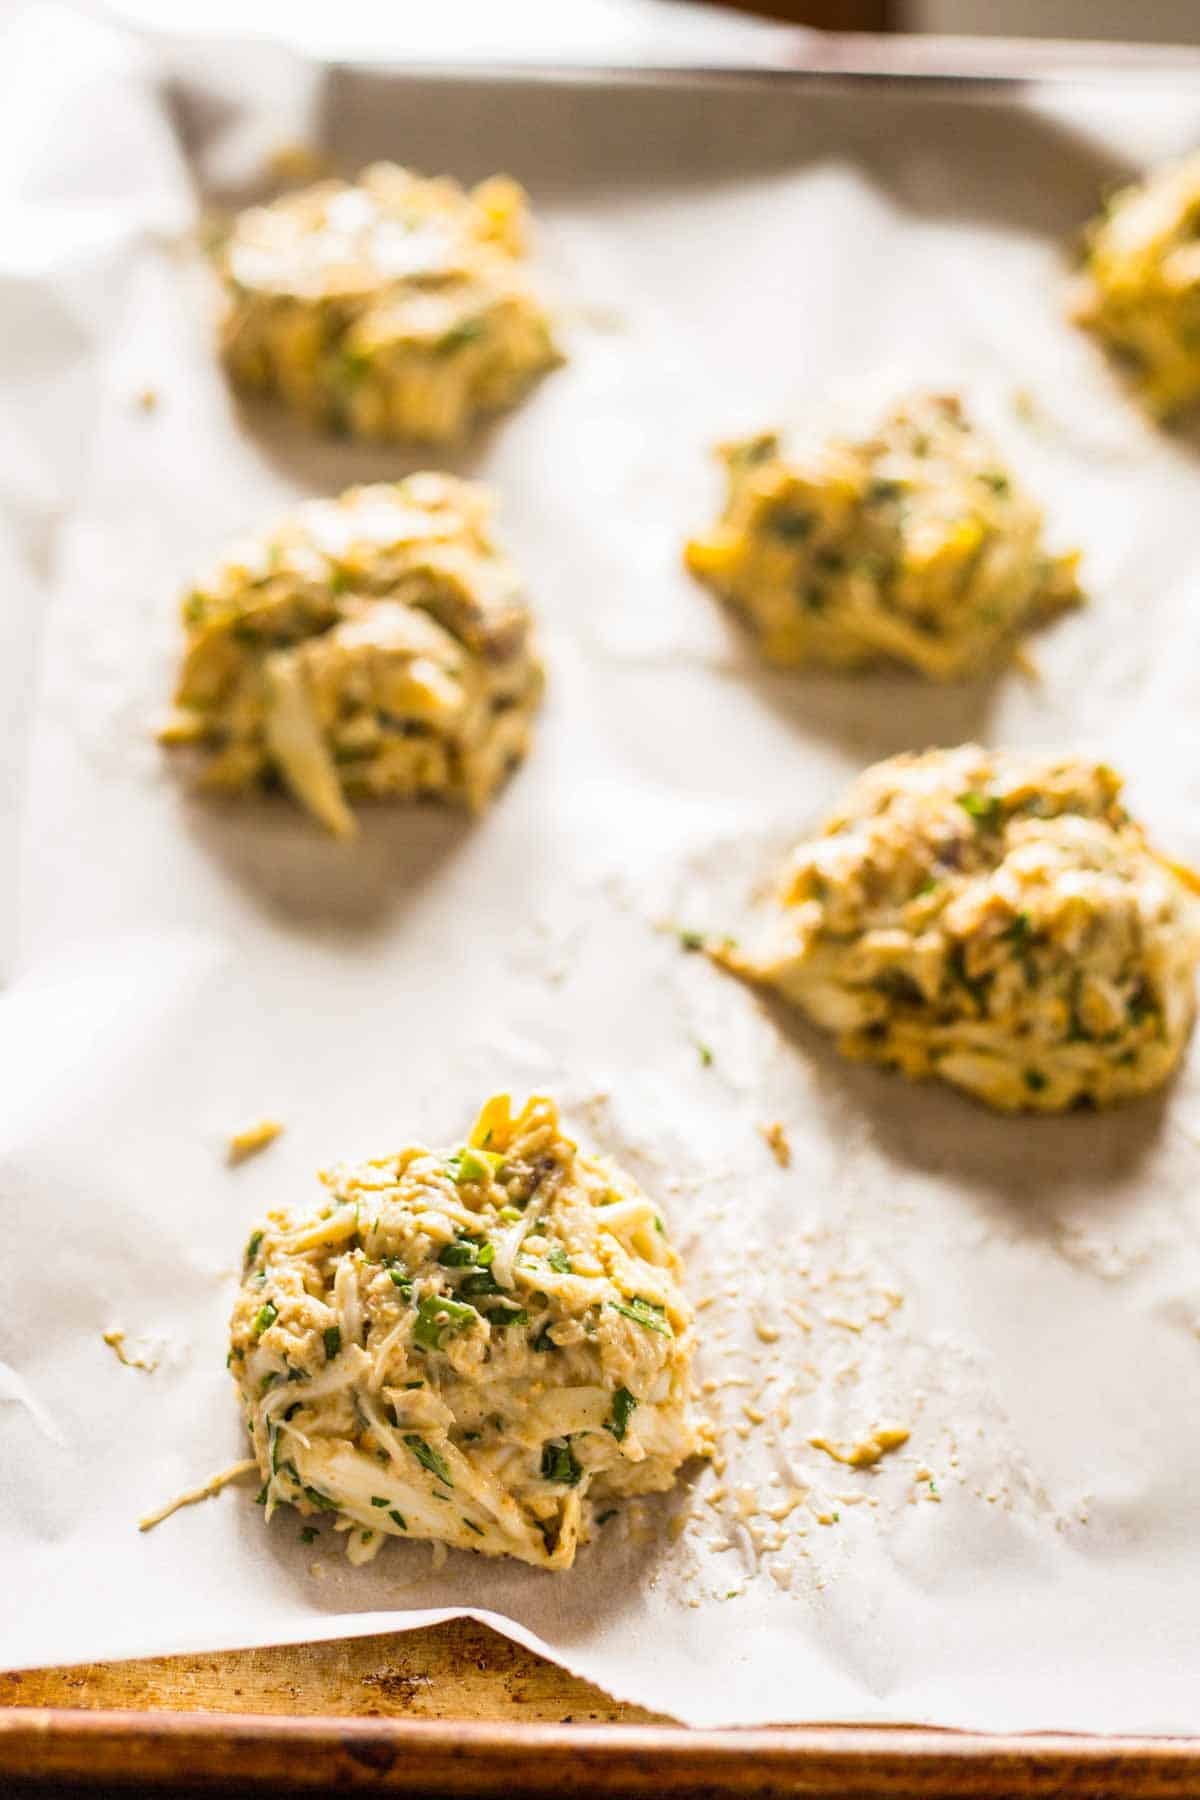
<point x="1021" y="1296"/>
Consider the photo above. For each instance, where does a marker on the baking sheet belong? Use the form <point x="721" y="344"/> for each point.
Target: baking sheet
<point x="1021" y="1295"/>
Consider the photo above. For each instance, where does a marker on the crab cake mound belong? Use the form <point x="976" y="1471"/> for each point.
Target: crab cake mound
<point x="472" y="1346"/>
<point x="1139" y="289"/>
<point x="995" y="920"/>
<point x="376" y="645"/>
<point x="915" y="546"/>
<point x="390" y="308"/>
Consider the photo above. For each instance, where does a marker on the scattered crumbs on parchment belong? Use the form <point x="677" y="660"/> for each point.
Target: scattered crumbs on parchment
<point x="254" y="1138"/>
<point x="135" y="1354"/>
<point x="867" y="1450"/>
<point x="776" y="1138"/>
<point x="191" y="1496"/>
<point x="293" y="160"/>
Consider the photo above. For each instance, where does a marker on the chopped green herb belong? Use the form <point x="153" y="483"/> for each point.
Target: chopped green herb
<point x="467" y="331"/>
<point x="320" y="1499"/>
<point x="486" y="1256"/>
<point x="927" y="887"/>
<point x="658" y="1224"/>
<point x="504" y="1316"/>
<point x="509" y="1214"/>
<point x="439" y="1318"/>
<point x="333" y="1341"/>
<point x="705" y="1054"/>
<point x="606" y="1516"/>
<point x="402" y="1281"/>
<point x="428" y="1459"/>
<point x="256" y="1238"/>
<point x="559" y="1261"/>
<point x="472" y="1526"/>
<point x="461" y="1255"/>
<point x="644" y="1312"/>
<point x="267" y="1315"/>
<point x="365" y="1536"/>
<point x="691" y="940"/>
<point x="398" y="1519"/>
<point x="623" y="1404"/>
<point x="377" y="1500"/>
<point x="309" y="1535"/>
<point x="1035" y="1081"/>
<point x="1020" y="928"/>
<point x="260" y="1499"/>
<point x="996" y="479"/>
<point x="790" y="523"/>
<point x="559" y="1462"/>
<point x="479" y="1281"/>
<point x="985" y="809"/>
<point x="543" y="1341"/>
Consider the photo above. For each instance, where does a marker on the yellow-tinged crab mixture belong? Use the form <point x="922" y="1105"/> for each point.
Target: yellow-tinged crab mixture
<point x="392" y="307"/>
<point x="992" y="919"/>
<point x="1139" y="289"/>
<point x="374" y="645"/>
<point x="914" y="546"/>
<point x="477" y="1346"/>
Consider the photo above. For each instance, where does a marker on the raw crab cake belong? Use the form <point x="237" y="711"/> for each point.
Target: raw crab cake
<point x="390" y="308"/>
<point x="474" y="1346"/>
<point x="376" y="645"/>
<point x="1139" y="290"/>
<point x="915" y="546"/>
<point x="996" y="920"/>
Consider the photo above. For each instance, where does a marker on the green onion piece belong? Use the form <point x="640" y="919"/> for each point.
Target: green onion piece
<point x="267" y="1315"/>
<point x="472" y="1165"/>
<point x="486" y="1256"/>
<point x="623" y="1404"/>
<point x="398" y="1519"/>
<point x="256" y="1238"/>
<point x="559" y="1260"/>
<point x="403" y="1282"/>
<point x="439" y="1318"/>
<point x="472" y="1526"/>
<point x="376" y="1500"/>
<point x="644" y="1312"/>
<point x="559" y="1463"/>
<point x="333" y="1341"/>
<point x="428" y="1459"/>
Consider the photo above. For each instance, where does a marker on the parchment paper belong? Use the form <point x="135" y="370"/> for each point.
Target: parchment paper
<point x="1021" y="1296"/>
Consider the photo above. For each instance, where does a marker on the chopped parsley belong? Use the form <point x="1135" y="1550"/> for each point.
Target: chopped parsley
<point x="428" y="1459"/>
<point x="378" y="1500"/>
<point x="623" y="1404"/>
<point x="647" y="1313"/>
<point x="559" y="1261"/>
<point x="460" y="1255"/>
<point x="1035" y="1081"/>
<point x="309" y="1535"/>
<point x="560" y="1464"/>
<point x="504" y="1316"/>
